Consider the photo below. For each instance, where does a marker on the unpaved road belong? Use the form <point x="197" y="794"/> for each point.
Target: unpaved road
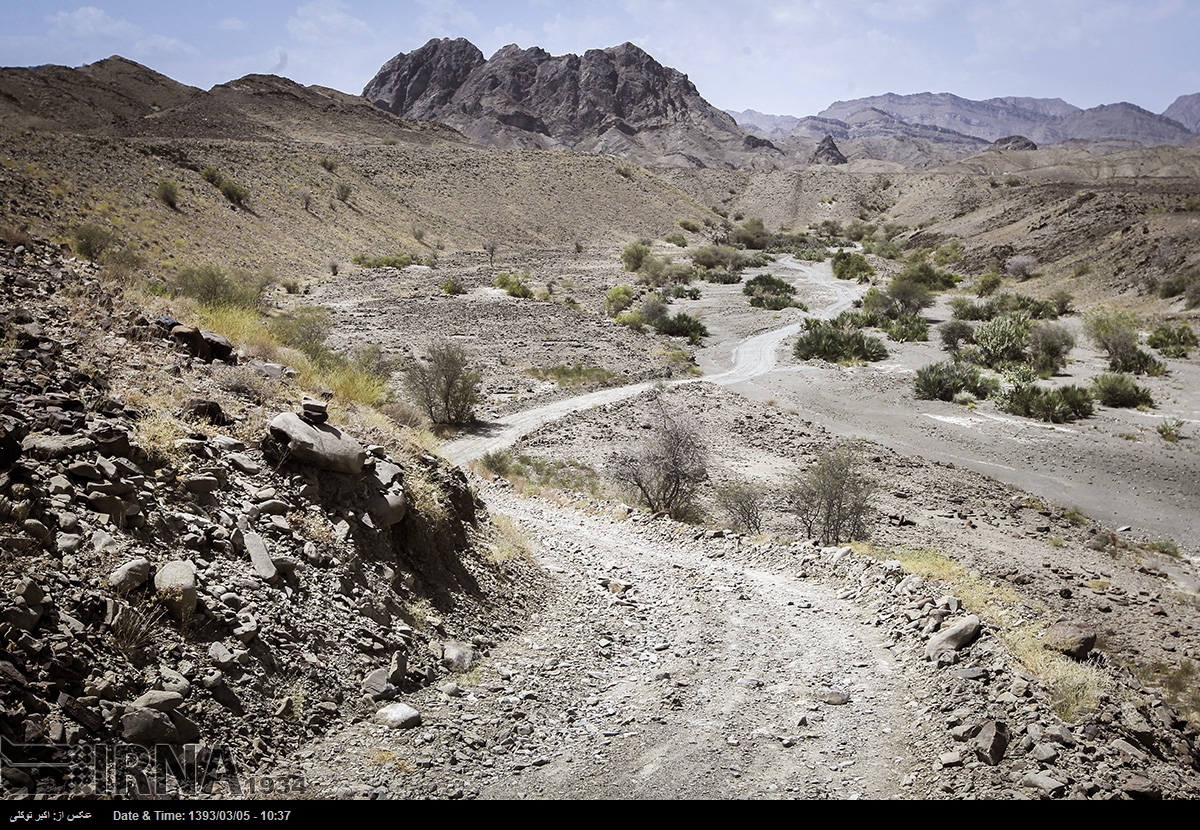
<point x="658" y="669"/>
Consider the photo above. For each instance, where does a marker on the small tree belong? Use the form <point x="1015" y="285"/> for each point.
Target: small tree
<point x="1049" y="345"/>
<point x="443" y="385"/>
<point x="669" y="466"/>
<point x="832" y="498"/>
<point x="489" y="248"/>
<point x="1021" y="266"/>
<point x="742" y="503"/>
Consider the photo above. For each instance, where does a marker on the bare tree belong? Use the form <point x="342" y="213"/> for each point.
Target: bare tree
<point x="489" y="248"/>
<point x="443" y="385"/>
<point x="1021" y="266"/>
<point x="669" y="466"/>
<point x="742" y="503"/>
<point x="832" y="499"/>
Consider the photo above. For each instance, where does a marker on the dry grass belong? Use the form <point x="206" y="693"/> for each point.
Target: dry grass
<point x="506" y="541"/>
<point x="1075" y="687"/>
<point x="991" y="599"/>
<point x="157" y="434"/>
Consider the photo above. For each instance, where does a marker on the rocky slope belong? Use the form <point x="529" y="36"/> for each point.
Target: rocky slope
<point x="183" y="564"/>
<point x="617" y="100"/>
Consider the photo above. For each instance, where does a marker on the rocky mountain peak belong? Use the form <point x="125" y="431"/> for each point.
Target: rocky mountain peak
<point x="827" y="152"/>
<point x="422" y="82"/>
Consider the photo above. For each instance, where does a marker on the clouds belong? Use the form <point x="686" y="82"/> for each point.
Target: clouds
<point x="90" y="22"/>
<point x="327" y="23"/>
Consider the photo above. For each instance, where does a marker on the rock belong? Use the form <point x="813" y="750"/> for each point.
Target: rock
<point x="958" y="636"/>
<point x="148" y="727"/>
<point x="378" y="685"/>
<point x="827" y="152"/>
<point x="130" y="576"/>
<point x="47" y="446"/>
<point x="836" y="697"/>
<point x="1040" y="781"/>
<point x="1044" y="753"/>
<point x="175" y="584"/>
<point x="1073" y="638"/>
<point x="202" y="409"/>
<point x="457" y="656"/>
<point x="387" y="509"/>
<point x="260" y="557"/>
<point x="398" y="716"/>
<point x="1139" y="786"/>
<point x="397" y="668"/>
<point x="1013" y="142"/>
<point x="243" y="463"/>
<point x="161" y="701"/>
<point x="173" y="681"/>
<point x="992" y="742"/>
<point x="322" y="446"/>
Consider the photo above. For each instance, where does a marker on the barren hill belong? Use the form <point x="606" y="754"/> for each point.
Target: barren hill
<point x="617" y="100"/>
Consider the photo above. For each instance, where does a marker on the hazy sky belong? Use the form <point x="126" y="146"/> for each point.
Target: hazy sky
<point x="783" y="57"/>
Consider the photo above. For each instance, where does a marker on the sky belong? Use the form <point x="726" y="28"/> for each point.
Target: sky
<point x="784" y="58"/>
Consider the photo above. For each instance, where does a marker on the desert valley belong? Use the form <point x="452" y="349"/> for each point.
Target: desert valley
<point x="528" y="427"/>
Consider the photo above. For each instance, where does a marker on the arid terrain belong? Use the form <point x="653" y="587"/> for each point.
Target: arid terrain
<point x="227" y="521"/>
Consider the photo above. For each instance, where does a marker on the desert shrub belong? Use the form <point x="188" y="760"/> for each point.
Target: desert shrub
<point x="676" y="239"/>
<point x="234" y="192"/>
<point x="1062" y="303"/>
<point x="1114" y="332"/>
<point x="514" y="285"/>
<point x="851" y="266"/>
<point x="955" y="332"/>
<point x="453" y="286"/>
<point x="850" y="320"/>
<point x="384" y="261"/>
<point x="988" y="284"/>
<point x="751" y="234"/>
<point x="1002" y="340"/>
<point x="443" y="385"/>
<point x="907" y="296"/>
<point x="1119" y="391"/>
<point x="927" y="275"/>
<point x="1049" y="345"/>
<point x="167" y="192"/>
<point x="497" y="462"/>
<point x="90" y="240"/>
<point x="669" y="466"/>
<point x="1173" y="342"/>
<point x="328" y="162"/>
<point x="776" y="302"/>
<point x="625" y="170"/>
<point x="1170" y="429"/>
<point x="680" y="292"/>
<point x="1056" y="406"/>
<point x="908" y="328"/>
<point x="1185" y="284"/>
<point x="943" y="381"/>
<point x="832" y="499"/>
<point x="575" y="376"/>
<point x="334" y="265"/>
<point x="681" y="325"/>
<point x="711" y="275"/>
<point x="212" y="175"/>
<point x="834" y="344"/>
<point x="305" y="196"/>
<point x="720" y="257"/>
<point x="652" y="308"/>
<point x="858" y="230"/>
<point x="342" y="191"/>
<point x="689" y="225"/>
<point x="742" y="502"/>
<point x="617" y="299"/>
<point x="631" y="320"/>
<point x="634" y="255"/>
<point x="305" y="328"/>
<point x="767" y="291"/>
<point x="403" y="414"/>
<point x="489" y="247"/>
<point x="1021" y="266"/>
<point x="213" y="286"/>
<point x="291" y="286"/>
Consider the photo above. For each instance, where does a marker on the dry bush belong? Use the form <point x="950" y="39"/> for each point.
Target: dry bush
<point x="832" y="498"/>
<point x="443" y="385"/>
<point x="667" y="469"/>
<point x="742" y="503"/>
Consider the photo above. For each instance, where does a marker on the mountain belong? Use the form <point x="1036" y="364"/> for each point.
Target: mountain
<point x="618" y="100"/>
<point x="1186" y="110"/>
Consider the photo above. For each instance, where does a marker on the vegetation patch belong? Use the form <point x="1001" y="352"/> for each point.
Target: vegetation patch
<point x="832" y="343"/>
<point x="1119" y="391"/>
<point x="576" y="376"/>
<point x="766" y="291"/>
<point x="401" y="260"/>
<point x="943" y="381"/>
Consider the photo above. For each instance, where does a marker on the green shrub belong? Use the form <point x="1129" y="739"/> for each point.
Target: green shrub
<point x="167" y="192"/>
<point x="1173" y="342"/>
<point x="767" y="291"/>
<point x="234" y="192"/>
<point x="908" y="328"/>
<point x="689" y="225"/>
<point x="1119" y="391"/>
<point x="752" y="234"/>
<point x="497" y="462"/>
<point x="1056" y="406"/>
<point x="514" y="285"/>
<point x="927" y="275"/>
<point x="1187" y="285"/>
<point x="676" y="239"/>
<point x="827" y="341"/>
<point x="632" y="320"/>
<point x="342" y="191"/>
<point x="444" y="385"/>
<point x="212" y="286"/>
<point x="906" y="296"/>
<point x="385" y="261"/>
<point x="1113" y="331"/>
<point x="90" y="240"/>
<point x="988" y="284"/>
<point x="852" y="266"/>
<point x="718" y="257"/>
<point x="634" y="256"/>
<point x="1002" y="340"/>
<point x="1062" y="303"/>
<point x="681" y="325"/>
<point x="954" y="332"/>
<point x="617" y="299"/>
<point x="942" y="381"/>
<point x="454" y="286"/>
<point x="576" y="376"/>
<point x="680" y="292"/>
<point x="1049" y="345"/>
<point x="328" y="163"/>
<point x="776" y="302"/>
<point x="711" y="275"/>
<point x="212" y="175"/>
<point x="1170" y="429"/>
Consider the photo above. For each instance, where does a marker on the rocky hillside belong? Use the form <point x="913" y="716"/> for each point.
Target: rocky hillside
<point x="188" y="555"/>
<point x="617" y="100"/>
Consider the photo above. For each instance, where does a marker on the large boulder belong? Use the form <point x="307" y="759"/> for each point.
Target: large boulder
<point x="319" y="445"/>
<point x="175" y="584"/>
<point x="1073" y="638"/>
<point x="955" y="638"/>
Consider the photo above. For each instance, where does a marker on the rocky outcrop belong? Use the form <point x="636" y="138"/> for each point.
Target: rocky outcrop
<point x="827" y="152"/>
<point x="1013" y="142"/>
<point x="617" y="100"/>
<point x="1186" y="111"/>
